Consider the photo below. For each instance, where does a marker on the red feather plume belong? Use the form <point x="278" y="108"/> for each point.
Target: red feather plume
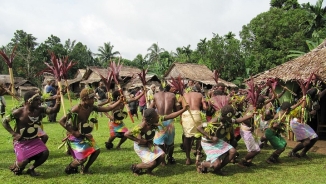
<point x="178" y="84"/>
<point x="9" y="59"/>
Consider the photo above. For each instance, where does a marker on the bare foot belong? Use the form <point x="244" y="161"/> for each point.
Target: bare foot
<point x="188" y="161"/>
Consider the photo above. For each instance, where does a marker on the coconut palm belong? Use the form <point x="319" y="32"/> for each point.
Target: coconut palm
<point x="319" y="16"/>
<point x="106" y="53"/>
<point x="229" y="36"/>
<point x="141" y="61"/>
<point x="154" y="53"/>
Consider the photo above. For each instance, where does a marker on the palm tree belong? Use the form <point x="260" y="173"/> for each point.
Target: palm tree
<point x="154" y="52"/>
<point x="106" y="53"/>
<point x="69" y="45"/>
<point x="187" y="51"/>
<point x="229" y="36"/>
<point x="141" y="61"/>
<point x="319" y="16"/>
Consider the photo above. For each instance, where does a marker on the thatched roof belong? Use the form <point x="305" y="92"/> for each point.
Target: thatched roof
<point x="19" y="81"/>
<point x="194" y="72"/>
<point x="298" y="68"/>
<point x="136" y="82"/>
<point x="78" y="76"/>
<point x="5" y="79"/>
<point x="92" y="73"/>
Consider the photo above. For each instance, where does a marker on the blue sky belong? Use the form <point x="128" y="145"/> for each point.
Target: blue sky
<point x="132" y="26"/>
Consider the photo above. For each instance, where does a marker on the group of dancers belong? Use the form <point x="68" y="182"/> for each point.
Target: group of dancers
<point x="229" y="117"/>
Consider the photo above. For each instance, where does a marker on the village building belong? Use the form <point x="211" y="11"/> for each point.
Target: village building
<point x="300" y="69"/>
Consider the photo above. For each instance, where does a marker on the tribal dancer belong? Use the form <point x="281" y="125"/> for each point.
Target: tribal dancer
<point x="273" y="133"/>
<point x="143" y="135"/>
<point x="191" y="119"/>
<point x="268" y="114"/>
<point x="214" y="147"/>
<point x="247" y="133"/>
<point x="27" y="145"/>
<point x="165" y="103"/>
<point x="80" y="140"/>
<point x="302" y="131"/>
<point x="116" y="124"/>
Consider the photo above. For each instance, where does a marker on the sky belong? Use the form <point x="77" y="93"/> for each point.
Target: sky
<point x="131" y="26"/>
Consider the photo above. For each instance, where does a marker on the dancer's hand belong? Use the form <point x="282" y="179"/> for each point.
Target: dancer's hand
<point x="214" y="139"/>
<point x="17" y="136"/>
<point x="142" y="142"/>
<point x="76" y="133"/>
<point x="89" y="136"/>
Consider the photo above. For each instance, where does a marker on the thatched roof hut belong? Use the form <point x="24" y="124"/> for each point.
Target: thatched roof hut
<point x="196" y="72"/>
<point x="78" y="76"/>
<point x="92" y="74"/>
<point x="136" y="82"/>
<point x="298" y="68"/>
<point x="5" y="79"/>
<point x="21" y="85"/>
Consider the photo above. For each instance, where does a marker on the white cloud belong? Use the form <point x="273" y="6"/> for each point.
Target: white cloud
<point x="132" y="26"/>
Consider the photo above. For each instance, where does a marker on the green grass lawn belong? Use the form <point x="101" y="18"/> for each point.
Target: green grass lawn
<point x="112" y="166"/>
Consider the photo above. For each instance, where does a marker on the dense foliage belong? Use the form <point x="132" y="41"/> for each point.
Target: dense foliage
<point x="287" y="29"/>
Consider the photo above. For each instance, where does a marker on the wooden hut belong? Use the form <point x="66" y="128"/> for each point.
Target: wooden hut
<point x="196" y="72"/>
<point x="136" y="82"/>
<point x="301" y="68"/>
<point x="92" y="75"/>
<point x="21" y="85"/>
<point x="74" y="84"/>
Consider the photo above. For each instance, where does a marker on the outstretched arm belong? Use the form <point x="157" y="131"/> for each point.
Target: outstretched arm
<point x="56" y="107"/>
<point x="244" y="118"/>
<point x="103" y="103"/>
<point x="109" y="107"/>
<point x="175" y="114"/>
<point x="136" y="97"/>
<point x="281" y="94"/>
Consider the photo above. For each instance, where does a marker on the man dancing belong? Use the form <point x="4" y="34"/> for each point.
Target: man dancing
<point x="80" y="140"/>
<point x="27" y="145"/>
<point x="191" y="119"/>
<point x="143" y="135"/>
<point x="165" y="103"/>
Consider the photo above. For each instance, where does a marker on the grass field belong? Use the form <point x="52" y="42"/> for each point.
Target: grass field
<point x="112" y="166"/>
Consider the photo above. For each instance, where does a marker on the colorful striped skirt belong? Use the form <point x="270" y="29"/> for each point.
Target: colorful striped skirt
<point x="214" y="150"/>
<point x="117" y="129"/>
<point x="81" y="148"/>
<point x="146" y="154"/>
<point x="28" y="148"/>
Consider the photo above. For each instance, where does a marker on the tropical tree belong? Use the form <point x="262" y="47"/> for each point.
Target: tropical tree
<point x="140" y="61"/>
<point x="25" y="64"/>
<point x="106" y="53"/>
<point x="318" y="20"/>
<point x="270" y="35"/>
<point x="285" y="4"/>
<point x="154" y="53"/>
<point x="69" y="45"/>
<point x="187" y="51"/>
